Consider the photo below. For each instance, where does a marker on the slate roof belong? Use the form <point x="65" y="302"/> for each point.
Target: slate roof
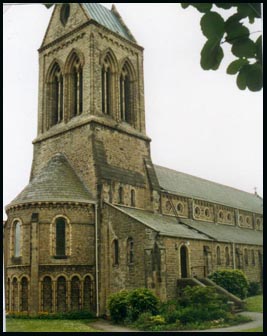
<point x="108" y="19"/>
<point x="57" y="181"/>
<point x="165" y="225"/>
<point x="227" y="233"/>
<point x="191" y="229"/>
<point x="192" y="186"/>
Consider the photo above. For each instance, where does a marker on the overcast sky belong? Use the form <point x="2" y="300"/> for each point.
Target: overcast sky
<point x="199" y="121"/>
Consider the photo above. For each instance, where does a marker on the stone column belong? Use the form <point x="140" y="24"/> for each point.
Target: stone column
<point x="34" y="260"/>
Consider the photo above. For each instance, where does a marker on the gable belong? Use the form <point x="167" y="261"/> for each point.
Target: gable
<point x="62" y="23"/>
<point x="56" y="29"/>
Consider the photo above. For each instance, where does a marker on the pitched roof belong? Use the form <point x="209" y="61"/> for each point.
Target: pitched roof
<point x="191" y="229"/>
<point x="165" y="225"/>
<point x="57" y="181"/>
<point x="227" y="233"/>
<point x="109" y="19"/>
<point x="192" y="186"/>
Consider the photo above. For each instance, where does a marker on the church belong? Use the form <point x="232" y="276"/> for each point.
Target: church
<point x="97" y="215"/>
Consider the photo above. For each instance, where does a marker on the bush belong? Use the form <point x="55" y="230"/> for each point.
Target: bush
<point x="142" y="300"/>
<point x="254" y="288"/>
<point x="201" y="296"/>
<point x="170" y="310"/>
<point x="118" y="305"/>
<point x="235" y="281"/>
<point x="193" y="314"/>
<point x="72" y="315"/>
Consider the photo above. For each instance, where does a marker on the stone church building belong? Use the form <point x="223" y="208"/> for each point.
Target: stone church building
<point x="97" y="215"/>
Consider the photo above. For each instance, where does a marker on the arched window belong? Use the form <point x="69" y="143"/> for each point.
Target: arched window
<point x="115" y="248"/>
<point x="130" y="250"/>
<point x="87" y="293"/>
<point x="218" y="255"/>
<point x="64" y="13"/>
<point x="75" y="294"/>
<point x="15" y="296"/>
<point x="60" y="236"/>
<point x="47" y="294"/>
<point x="24" y="294"/>
<point x="246" y="256"/>
<point x="133" y="198"/>
<point x="75" y="84"/>
<point x="17" y="239"/>
<point x="126" y="94"/>
<point x="61" y="294"/>
<point x="8" y="295"/>
<point x="55" y="95"/>
<point x="120" y="192"/>
<point x="253" y="257"/>
<point x="107" y="80"/>
<point x="227" y="256"/>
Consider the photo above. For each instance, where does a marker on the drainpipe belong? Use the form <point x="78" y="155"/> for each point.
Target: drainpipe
<point x="96" y="262"/>
<point x="233" y="244"/>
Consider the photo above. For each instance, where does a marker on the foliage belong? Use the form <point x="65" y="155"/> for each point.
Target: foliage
<point x="142" y="300"/>
<point x="232" y="31"/>
<point x="255" y="303"/>
<point x="118" y="305"/>
<point x="72" y="315"/>
<point x="235" y="281"/>
<point x="170" y="310"/>
<point x="35" y="325"/>
<point x="254" y="288"/>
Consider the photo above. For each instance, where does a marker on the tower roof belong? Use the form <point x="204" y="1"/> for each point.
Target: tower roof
<point x="110" y="19"/>
<point x="57" y="181"/>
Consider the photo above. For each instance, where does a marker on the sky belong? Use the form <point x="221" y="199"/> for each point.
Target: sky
<point x="200" y="123"/>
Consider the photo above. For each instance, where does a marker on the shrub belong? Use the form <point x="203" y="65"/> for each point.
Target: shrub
<point x="147" y="321"/>
<point x="170" y="310"/>
<point x="118" y="305"/>
<point x="142" y="300"/>
<point x="192" y="314"/>
<point x="235" y="281"/>
<point x="254" y="288"/>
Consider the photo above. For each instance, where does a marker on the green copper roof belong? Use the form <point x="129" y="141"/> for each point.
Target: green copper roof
<point x="57" y="181"/>
<point x="109" y="19"/>
<point x="195" y="187"/>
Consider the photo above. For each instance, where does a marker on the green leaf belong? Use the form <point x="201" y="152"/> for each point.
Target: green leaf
<point x="254" y="77"/>
<point x="202" y="7"/>
<point x="224" y="5"/>
<point x="244" y="48"/>
<point x="259" y="49"/>
<point x="236" y="65"/>
<point x="212" y="25"/>
<point x="185" y="5"/>
<point x="232" y="22"/>
<point x="241" y="79"/>
<point x="236" y="32"/>
<point x="250" y="10"/>
<point x="48" y="5"/>
<point x="211" y="55"/>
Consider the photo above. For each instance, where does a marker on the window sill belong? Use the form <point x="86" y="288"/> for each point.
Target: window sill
<point x="60" y="257"/>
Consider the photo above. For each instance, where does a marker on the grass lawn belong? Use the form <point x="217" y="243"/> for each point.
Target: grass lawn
<point x="259" y="329"/>
<point x="24" y="325"/>
<point x="255" y="304"/>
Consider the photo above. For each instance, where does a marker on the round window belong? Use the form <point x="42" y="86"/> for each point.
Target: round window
<point x="207" y="212"/>
<point x="241" y="219"/>
<point x="229" y="217"/>
<point x="221" y="215"/>
<point x="248" y="220"/>
<point x="197" y="211"/>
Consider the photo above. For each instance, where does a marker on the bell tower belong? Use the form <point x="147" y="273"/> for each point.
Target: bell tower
<point x="91" y="148"/>
<point x="91" y="99"/>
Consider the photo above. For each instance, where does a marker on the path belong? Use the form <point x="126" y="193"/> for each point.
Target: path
<point x="106" y="326"/>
